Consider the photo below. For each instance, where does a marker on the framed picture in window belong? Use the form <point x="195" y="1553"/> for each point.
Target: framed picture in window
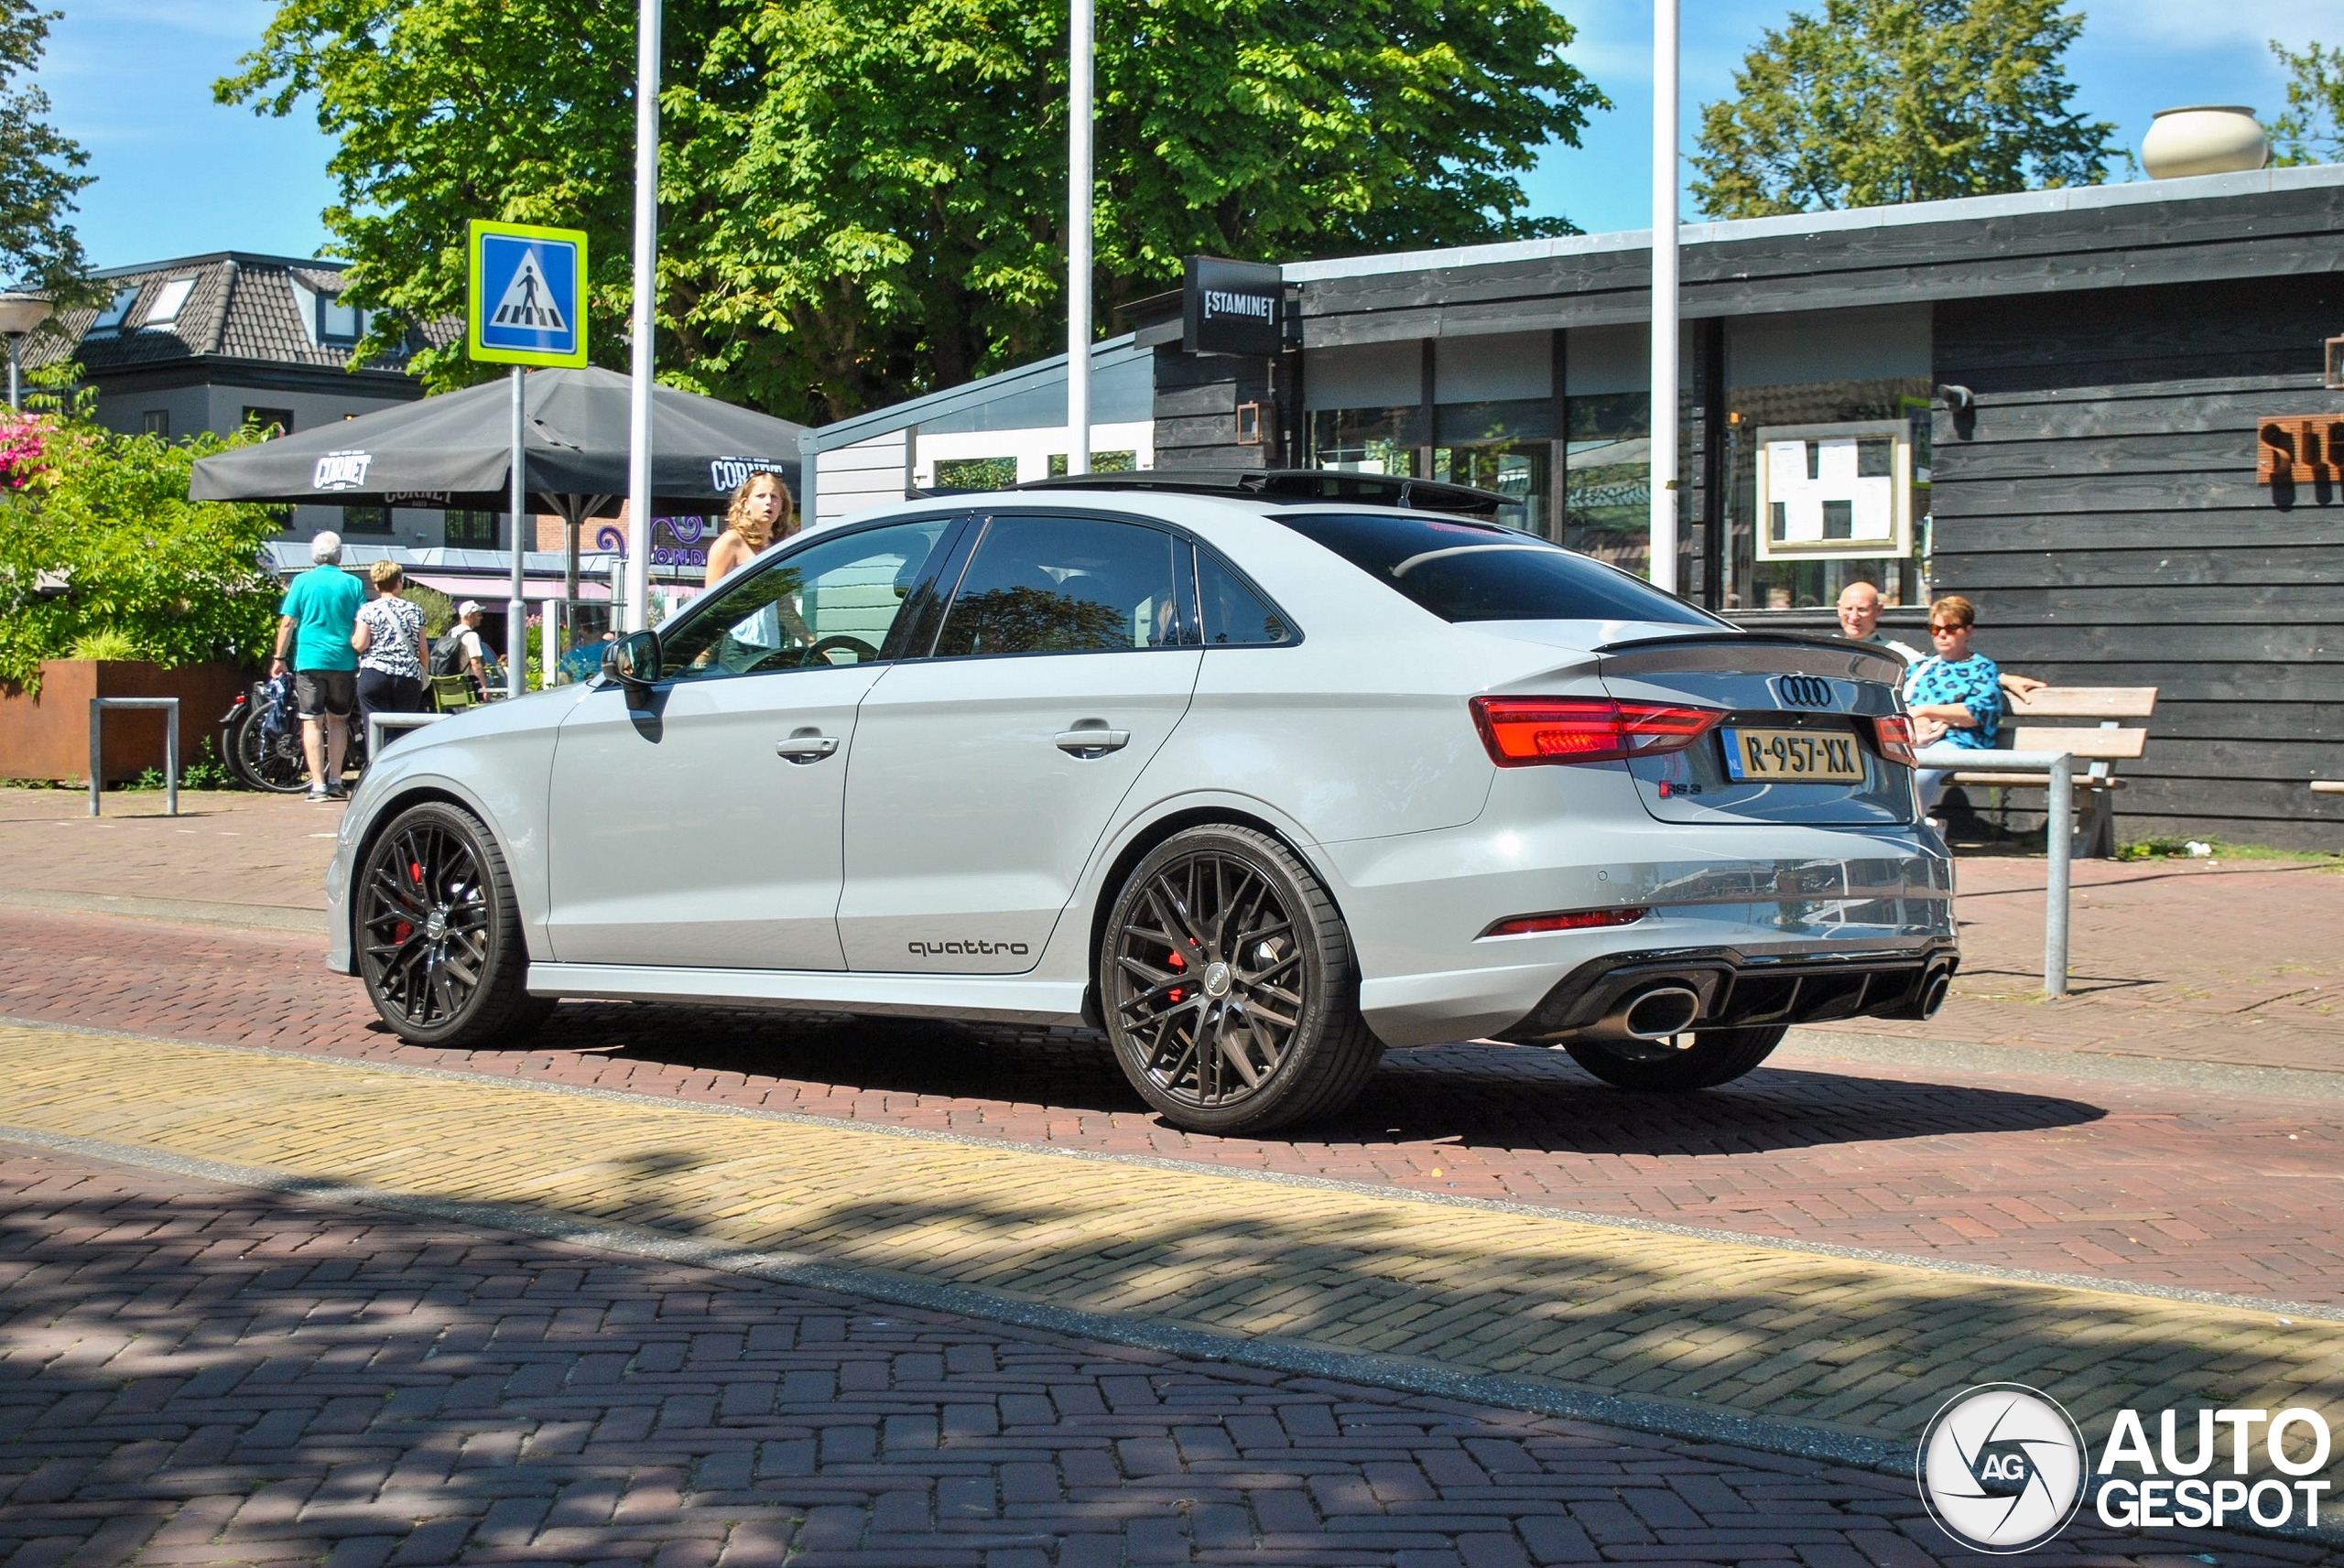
<point x="1835" y="492"/>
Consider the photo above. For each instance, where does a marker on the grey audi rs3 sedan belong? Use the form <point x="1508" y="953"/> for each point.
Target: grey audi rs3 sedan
<point x="1259" y="784"/>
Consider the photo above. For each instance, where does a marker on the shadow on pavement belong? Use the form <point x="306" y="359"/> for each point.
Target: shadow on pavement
<point x="1503" y="1096"/>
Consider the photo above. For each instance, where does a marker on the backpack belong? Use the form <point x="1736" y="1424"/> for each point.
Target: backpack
<point x="448" y="652"/>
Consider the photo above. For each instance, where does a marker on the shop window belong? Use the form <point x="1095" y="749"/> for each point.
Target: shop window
<point x="366" y="520"/>
<point x="1101" y="463"/>
<point x="975" y="473"/>
<point x="1852" y="507"/>
<point x="271" y="422"/>
<point x="1367" y="440"/>
<point x="473" y="530"/>
<point x="158" y="422"/>
<point x="1522" y="471"/>
<point x="1607" y="482"/>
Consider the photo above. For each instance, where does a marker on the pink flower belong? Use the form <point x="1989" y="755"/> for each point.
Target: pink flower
<point x="24" y="448"/>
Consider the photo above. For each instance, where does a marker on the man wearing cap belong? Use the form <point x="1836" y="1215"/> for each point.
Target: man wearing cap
<point x="458" y="651"/>
<point x="314" y="623"/>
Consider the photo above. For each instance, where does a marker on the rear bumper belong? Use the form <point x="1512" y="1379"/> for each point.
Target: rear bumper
<point x="1747" y="989"/>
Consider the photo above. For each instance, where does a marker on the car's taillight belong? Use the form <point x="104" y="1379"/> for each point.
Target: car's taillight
<point x="1521" y="731"/>
<point x="1571" y="920"/>
<point x="1895" y="733"/>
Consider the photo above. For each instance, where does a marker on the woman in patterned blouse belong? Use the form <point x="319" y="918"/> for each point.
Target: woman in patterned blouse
<point x="1956" y="696"/>
<point x="389" y="640"/>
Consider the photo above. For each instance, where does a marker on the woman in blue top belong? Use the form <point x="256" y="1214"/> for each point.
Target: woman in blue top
<point x="1956" y="696"/>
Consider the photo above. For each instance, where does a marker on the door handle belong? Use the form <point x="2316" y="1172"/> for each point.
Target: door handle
<point x="1092" y="743"/>
<point x="804" y="749"/>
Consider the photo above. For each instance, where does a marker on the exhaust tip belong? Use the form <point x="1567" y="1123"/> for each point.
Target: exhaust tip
<point x="1934" y="992"/>
<point x="1661" y="1011"/>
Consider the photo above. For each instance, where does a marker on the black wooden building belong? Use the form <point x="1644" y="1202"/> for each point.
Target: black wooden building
<point x="2050" y="403"/>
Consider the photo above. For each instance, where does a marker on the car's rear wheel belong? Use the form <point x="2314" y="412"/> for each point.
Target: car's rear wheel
<point x="438" y="932"/>
<point x="1229" y="988"/>
<point x="1715" y="1056"/>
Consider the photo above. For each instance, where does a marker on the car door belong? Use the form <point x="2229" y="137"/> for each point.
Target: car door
<point x="704" y="828"/>
<point x="982" y="777"/>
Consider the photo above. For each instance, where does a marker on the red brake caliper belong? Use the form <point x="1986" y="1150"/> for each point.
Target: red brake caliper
<point x="1178" y="963"/>
<point x="407" y="927"/>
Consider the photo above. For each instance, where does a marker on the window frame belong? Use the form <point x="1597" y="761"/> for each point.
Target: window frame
<point x="945" y="554"/>
<point x="177" y="293"/>
<point x="1293" y="638"/>
<point x="115" y="316"/>
<point x="1187" y="601"/>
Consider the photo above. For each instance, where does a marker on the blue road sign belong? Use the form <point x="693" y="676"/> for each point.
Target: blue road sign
<point x="528" y="294"/>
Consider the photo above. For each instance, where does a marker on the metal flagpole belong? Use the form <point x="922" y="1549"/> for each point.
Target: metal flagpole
<point x="1663" y="295"/>
<point x="1080" y="31"/>
<point x="646" y="282"/>
<point x="516" y="607"/>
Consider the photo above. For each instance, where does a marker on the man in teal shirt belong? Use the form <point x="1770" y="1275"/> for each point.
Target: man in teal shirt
<point x="319" y="611"/>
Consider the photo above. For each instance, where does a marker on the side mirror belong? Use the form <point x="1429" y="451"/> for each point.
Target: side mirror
<point x="634" y="661"/>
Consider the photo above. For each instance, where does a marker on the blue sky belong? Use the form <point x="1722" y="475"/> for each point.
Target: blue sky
<point x="178" y="174"/>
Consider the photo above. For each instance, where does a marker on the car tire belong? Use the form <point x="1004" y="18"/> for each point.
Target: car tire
<point x="1716" y="1056"/>
<point x="1276" y="992"/>
<point x="438" y="933"/>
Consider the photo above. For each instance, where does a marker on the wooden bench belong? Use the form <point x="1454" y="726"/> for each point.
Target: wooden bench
<point x="2094" y="748"/>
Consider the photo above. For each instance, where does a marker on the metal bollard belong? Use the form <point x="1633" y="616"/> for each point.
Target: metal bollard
<point x="2059" y="843"/>
<point x="171" y="707"/>
<point x="2058" y="835"/>
<point x="376" y="723"/>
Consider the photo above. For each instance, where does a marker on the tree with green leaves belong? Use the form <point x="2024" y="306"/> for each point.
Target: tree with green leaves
<point x="864" y="199"/>
<point x="37" y="168"/>
<point x="98" y="541"/>
<point x="2311" y="130"/>
<point x="1886" y="101"/>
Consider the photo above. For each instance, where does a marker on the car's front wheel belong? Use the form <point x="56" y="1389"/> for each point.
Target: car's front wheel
<point x="1228" y="985"/>
<point x="1715" y="1056"/>
<point x="438" y="932"/>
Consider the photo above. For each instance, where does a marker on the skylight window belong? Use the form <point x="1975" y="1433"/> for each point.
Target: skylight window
<point x="169" y="300"/>
<point x="110" y="319"/>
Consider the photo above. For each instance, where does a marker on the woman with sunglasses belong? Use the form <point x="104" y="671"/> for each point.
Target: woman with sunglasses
<point x="1956" y="696"/>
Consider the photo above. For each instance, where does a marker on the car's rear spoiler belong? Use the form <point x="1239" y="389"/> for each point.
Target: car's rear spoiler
<point x="1752" y="653"/>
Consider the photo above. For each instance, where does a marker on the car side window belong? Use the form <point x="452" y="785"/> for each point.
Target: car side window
<point x="1065" y="585"/>
<point x="1234" y="615"/>
<point x="832" y="601"/>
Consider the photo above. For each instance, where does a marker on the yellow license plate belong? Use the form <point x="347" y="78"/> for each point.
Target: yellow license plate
<point x="1793" y="756"/>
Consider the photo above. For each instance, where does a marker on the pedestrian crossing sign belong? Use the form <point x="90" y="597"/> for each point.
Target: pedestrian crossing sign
<point x="528" y="294"/>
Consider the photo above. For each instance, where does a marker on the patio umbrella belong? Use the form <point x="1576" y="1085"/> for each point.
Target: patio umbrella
<point x="454" y="450"/>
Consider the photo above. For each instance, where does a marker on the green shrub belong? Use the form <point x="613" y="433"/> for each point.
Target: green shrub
<point x="107" y="645"/>
<point x="181" y="581"/>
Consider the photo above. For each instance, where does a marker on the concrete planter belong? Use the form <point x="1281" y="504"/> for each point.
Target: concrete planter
<point x="2212" y="138"/>
<point x="46" y="736"/>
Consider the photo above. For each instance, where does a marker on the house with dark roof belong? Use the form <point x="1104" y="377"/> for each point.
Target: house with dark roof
<point x="210" y="342"/>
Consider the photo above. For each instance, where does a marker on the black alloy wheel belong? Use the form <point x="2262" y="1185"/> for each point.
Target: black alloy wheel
<point x="1711" y="1057"/>
<point x="438" y="932"/>
<point x="1229" y="989"/>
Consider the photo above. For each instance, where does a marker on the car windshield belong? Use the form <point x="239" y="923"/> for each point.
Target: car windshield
<point x="1476" y="571"/>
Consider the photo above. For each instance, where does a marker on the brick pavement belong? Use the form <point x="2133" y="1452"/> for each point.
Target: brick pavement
<point x="1864" y="1347"/>
<point x="2159" y="1186"/>
<point x="237" y="848"/>
<point x="2258" y="980"/>
<point x="193" y="1374"/>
